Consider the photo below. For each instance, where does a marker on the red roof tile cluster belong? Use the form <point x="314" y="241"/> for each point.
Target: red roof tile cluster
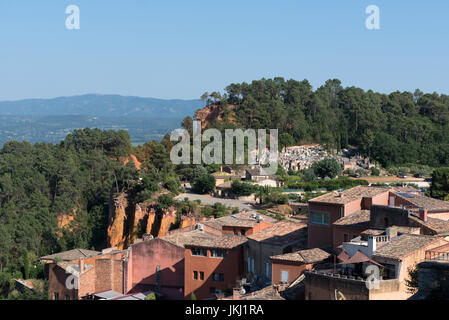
<point x="305" y="256"/>
<point x="349" y="195"/>
<point x="283" y="232"/>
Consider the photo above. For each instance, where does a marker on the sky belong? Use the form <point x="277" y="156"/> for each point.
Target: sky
<point x="183" y="48"/>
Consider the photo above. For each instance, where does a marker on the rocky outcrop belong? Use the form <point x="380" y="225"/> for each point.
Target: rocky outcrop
<point x="128" y="221"/>
<point x="64" y="220"/>
<point x="187" y="221"/>
<point x="133" y="158"/>
<point x="213" y="113"/>
<point x="168" y="219"/>
<point x="150" y="221"/>
<point x="116" y="225"/>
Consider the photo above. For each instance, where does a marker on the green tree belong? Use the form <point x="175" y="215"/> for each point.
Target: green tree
<point x="242" y="189"/>
<point x="204" y="184"/>
<point x="327" y="168"/>
<point x="375" y="171"/>
<point x="439" y="188"/>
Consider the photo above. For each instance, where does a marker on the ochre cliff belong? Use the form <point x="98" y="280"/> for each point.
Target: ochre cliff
<point x="168" y="219"/>
<point x="128" y="221"/>
<point x="116" y="225"/>
<point x="211" y="113"/>
<point x="187" y="221"/>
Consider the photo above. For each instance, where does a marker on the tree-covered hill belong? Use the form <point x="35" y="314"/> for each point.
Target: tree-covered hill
<point x="41" y="182"/>
<point x="396" y="128"/>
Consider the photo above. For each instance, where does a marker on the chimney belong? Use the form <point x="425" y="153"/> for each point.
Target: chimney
<point x="81" y="265"/>
<point x="423" y="214"/>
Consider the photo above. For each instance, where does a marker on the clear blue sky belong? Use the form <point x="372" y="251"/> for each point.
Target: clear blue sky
<point x="182" y="48"/>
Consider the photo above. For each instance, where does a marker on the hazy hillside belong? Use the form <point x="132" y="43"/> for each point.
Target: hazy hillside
<point x="101" y="105"/>
<point x="50" y="120"/>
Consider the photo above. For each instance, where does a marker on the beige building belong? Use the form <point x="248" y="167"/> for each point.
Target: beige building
<point x="283" y="237"/>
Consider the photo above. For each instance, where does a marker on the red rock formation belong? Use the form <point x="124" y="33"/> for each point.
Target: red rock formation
<point x="214" y="112"/>
<point x="187" y="221"/>
<point x="127" y="221"/>
<point x="64" y="220"/>
<point x="168" y="219"/>
<point x="117" y="217"/>
<point x="150" y="221"/>
<point x="133" y="159"/>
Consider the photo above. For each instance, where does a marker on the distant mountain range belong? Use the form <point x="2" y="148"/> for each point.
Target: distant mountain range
<point x="50" y="120"/>
<point x="101" y="105"/>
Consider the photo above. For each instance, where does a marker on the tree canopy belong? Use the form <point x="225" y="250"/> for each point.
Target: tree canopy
<point x="395" y="128"/>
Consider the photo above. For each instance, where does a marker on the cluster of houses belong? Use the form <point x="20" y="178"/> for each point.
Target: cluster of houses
<point x="253" y="256"/>
<point x="303" y="157"/>
<point x="224" y="179"/>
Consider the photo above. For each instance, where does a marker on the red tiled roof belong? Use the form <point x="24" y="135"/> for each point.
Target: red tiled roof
<point x="349" y="195"/>
<point x="282" y="233"/>
<point x="424" y="202"/>
<point x="401" y="246"/>
<point x="358" y="219"/>
<point x="306" y="256"/>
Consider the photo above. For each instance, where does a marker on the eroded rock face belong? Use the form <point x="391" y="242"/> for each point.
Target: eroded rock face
<point x="129" y="221"/>
<point x="187" y="221"/>
<point x="150" y="221"/>
<point x="64" y="220"/>
<point x="214" y="112"/>
<point x="168" y="219"/>
<point x="116" y="226"/>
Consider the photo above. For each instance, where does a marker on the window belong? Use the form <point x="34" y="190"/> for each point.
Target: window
<point x="218" y="253"/>
<point x="214" y="276"/>
<point x="249" y="264"/>
<point x="284" y="276"/>
<point x="252" y="265"/>
<point x="201" y="275"/>
<point x="242" y="232"/>
<point x="320" y="218"/>
<point x="195" y="275"/>
<point x="346" y="237"/>
<point x="221" y="277"/>
<point x="199" y="252"/>
<point x="67" y="297"/>
<point x="213" y="290"/>
<point x="55" y="296"/>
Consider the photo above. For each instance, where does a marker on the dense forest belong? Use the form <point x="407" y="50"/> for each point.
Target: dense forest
<point x="398" y="128"/>
<point x="41" y="182"/>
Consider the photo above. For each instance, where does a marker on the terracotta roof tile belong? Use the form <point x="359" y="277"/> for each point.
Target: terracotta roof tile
<point x="358" y="219"/>
<point x="436" y="225"/>
<point x="242" y="219"/>
<point x="306" y="256"/>
<point x="222" y="242"/>
<point x="282" y="233"/>
<point x="424" y="202"/>
<point x="70" y="255"/>
<point x="401" y="246"/>
<point x="349" y="195"/>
